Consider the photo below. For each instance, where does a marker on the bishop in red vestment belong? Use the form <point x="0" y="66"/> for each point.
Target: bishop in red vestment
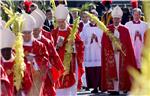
<point x="56" y="68"/>
<point x="8" y="67"/>
<point x="115" y="63"/>
<point x="7" y="60"/>
<point x="36" y="59"/>
<point x="61" y="50"/>
<point x="66" y="83"/>
<point x="5" y="84"/>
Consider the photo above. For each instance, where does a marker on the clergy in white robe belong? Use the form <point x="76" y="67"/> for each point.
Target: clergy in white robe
<point x="84" y="21"/>
<point x="137" y="29"/>
<point x="91" y="36"/>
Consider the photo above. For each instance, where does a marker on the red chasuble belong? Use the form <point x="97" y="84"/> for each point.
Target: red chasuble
<point x="109" y="71"/>
<point x="5" y="84"/>
<point x="69" y="79"/>
<point x="56" y="69"/>
<point x="47" y="35"/>
<point x="8" y="67"/>
<point x="80" y="28"/>
<point x="41" y="56"/>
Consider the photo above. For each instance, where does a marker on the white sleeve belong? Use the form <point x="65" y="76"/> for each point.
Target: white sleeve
<point x="35" y="65"/>
<point x="99" y="36"/>
<point x="126" y="25"/>
<point x="84" y="36"/>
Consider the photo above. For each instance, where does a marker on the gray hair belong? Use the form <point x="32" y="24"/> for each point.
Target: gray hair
<point x="137" y="10"/>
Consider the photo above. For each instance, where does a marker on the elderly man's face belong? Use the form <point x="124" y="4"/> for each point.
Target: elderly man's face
<point x="136" y="16"/>
<point x="36" y="32"/>
<point x="116" y="21"/>
<point x="27" y="36"/>
<point x="60" y="22"/>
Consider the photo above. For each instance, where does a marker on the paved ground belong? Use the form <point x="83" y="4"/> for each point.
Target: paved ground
<point x="88" y="93"/>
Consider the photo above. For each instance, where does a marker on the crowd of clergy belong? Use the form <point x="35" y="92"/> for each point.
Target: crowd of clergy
<point x="97" y="64"/>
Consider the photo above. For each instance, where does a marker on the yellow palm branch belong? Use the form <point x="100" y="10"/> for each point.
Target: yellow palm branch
<point x="102" y="26"/>
<point x="141" y="84"/>
<point x="16" y="21"/>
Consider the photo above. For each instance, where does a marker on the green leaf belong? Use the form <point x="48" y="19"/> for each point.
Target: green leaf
<point x="10" y="21"/>
<point x="74" y="9"/>
<point x="8" y="11"/>
<point x="52" y="3"/>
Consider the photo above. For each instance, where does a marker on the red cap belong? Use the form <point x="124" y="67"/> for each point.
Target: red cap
<point x="134" y="3"/>
<point x="27" y="5"/>
<point x="104" y="2"/>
